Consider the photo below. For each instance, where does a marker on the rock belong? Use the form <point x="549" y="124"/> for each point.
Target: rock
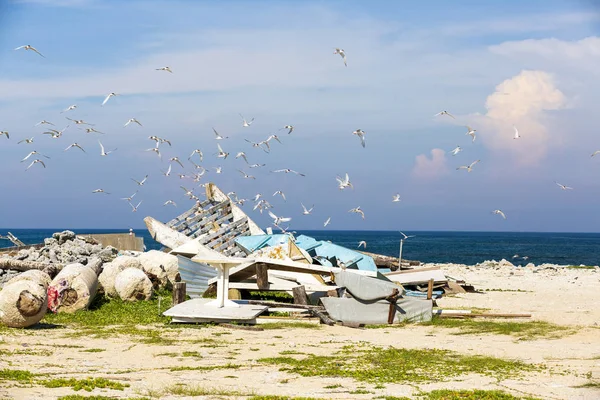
<point x="50" y="242"/>
<point x="161" y="268"/>
<point x="64" y="236"/>
<point x="505" y="263"/>
<point x="108" y="254"/>
<point x="530" y="265"/>
<point x="127" y="262"/>
<point x="132" y="284"/>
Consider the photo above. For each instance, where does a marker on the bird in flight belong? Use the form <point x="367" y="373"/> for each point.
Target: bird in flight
<point x="42" y="122"/>
<point x="54" y="133"/>
<point x="596" y="152"/>
<point x="243" y="155"/>
<point x="79" y="121"/>
<point x="396" y="198"/>
<point x="170" y="202"/>
<point x="305" y="211"/>
<point x="218" y="136"/>
<point x="218" y="169"/>
<point x="168" y="173"/>
<point x="404" y="236"/>
<point x="246" y="176"/>
<point x="471" y="132"/>
<point x="563" y="187"/>
<point x="279" y="192"/>
<point x="199" y="152"/>
<point x="131" y="120"/>
<point x="457" y="150"/>
<point x="256" y="165"/>
<point x="445" y="113"/>
<point x="155" y="149"/>
<point x="246" y="123"/>
<point x="130" y="197"/>
<point x="362" y="243"/>
<point x="327" y="221"/>
<point x="141" y="183"/>
<point x="342" y="54"/>
<point x="75" y="145"/>
<point x="112" y="94"/>
<point x="134" y="209"/>
<point x="273" y="137"/>
<point x="499" y="212"/>
<point x="36" y="162"/>
<point x="222" y="154"/>
<point x="103" y="152"/>
<point x="361" y="134"/>
<point x="290" y="128"/>
<point x="5" y="133"/>
<point x="72" y="107"/>
<point x="516" y="136"/>
<point x="168" y="69"/>
<point x="90" y="130"/>
<point x="358" y="210"/>
<point x="278" y="220"/>
<point x="100" y="191"/>
<point x="32" y="153"/>
<point x="26" y="140"/>
<point x="287" y="171"/>
<point x="29" y="47"/>
<point x="469" y="167"/>
<point x="176" y="159"/>
<point x="344" y="183"/>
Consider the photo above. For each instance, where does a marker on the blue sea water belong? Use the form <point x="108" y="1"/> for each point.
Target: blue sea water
<point x="457" y="247"/>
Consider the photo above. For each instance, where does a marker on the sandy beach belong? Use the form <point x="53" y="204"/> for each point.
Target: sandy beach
<point x="215" y="362"/>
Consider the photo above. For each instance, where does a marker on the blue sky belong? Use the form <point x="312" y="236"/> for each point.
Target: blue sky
<point x="491" y="64"/>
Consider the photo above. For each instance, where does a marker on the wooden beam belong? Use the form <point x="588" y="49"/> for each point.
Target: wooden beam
<point x="262" y="276"/>
<point x="299" y="294"/>
<point x="430" y="289"/>
<point x="179" y="291"/>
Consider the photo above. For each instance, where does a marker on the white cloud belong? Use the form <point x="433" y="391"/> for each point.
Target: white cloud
<point x="431" y="168"/>
<point x="523" y="101"/>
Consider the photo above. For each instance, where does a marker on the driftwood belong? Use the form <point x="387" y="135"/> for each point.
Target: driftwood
<point x="322" y="316"/>
<point x="19" y="265"/>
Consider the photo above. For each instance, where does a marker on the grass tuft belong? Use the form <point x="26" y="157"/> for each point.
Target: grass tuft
<point x="87" y="384"/>
<point x="16" y="375"/>
<point x="389" y="365"/>
<point x="193" y="391"/>
<point x="80" y="397"/>
<point x="92" y="350"/>
<point x="291" y="325"/>
<point x="472" y="395"/>
<point x="521" y="330"/>
<point x="206" y="368"/>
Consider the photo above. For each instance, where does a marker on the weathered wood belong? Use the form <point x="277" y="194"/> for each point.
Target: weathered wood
<point x="179" y="291"/>
<point x="182" y="217"/>
<point x="430" y="289"/>
<point x="262" y="276"/>
<point x="299" y="294"/>
<point x="230" y="231"/>
<point x="19" y="265"/>
<point x="205" y="225"/>
<point x="322" y="316"/>
<point x="487" y="315"/>
<point x="279" y="304"/>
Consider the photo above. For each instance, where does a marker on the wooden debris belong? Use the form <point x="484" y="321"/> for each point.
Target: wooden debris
<point x="178" y="293"/>
<point x="17" y="265"/>
<point x="299" y="294"/>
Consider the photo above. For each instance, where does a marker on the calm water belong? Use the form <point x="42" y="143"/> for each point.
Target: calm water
<point x="458" y="247"/>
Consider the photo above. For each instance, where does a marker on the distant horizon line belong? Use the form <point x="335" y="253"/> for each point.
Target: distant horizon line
<point x="304" y="230"/>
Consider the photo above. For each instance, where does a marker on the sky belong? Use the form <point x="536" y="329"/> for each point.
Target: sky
<point x="493" y="65"/>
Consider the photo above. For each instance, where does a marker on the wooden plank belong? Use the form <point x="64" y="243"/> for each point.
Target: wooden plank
<point x="206" y="240"/>
<point x="430" y="289"/>
<point x="183" y="216"/>
<point x="179" y="292"/>
<point x="224" y="234"/>
<point x="410" y="271"/>
<point x="262" y="276"/>
<point x="205" y="225"/>
<point x="299" y="294"/>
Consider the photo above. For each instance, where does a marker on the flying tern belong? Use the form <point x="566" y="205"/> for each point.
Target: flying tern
<point x="342" y="54"/>
<point x="79" y="121"/>
<point x="246" y="176"/>
<point x="218" y="136"/>
<point x="563" y="187"/>
<point x="168" y="69"/>
<point x="499" y="212"/>
<point x="278" y="220"/>
<point x="32" y="153"/>
<point x="596" y="152"/>
<point x="305" y="211"/>
<point x="113" y="94"/>
<point x="29" y="47"/>
<point x="218" y="170"/>
<point x="44" y="122"/>
<point x="90" y="130"/>
<point x="168" y="173"/>
<point x="36" y="162"/>
<point x="287" y="171"/>
<point x="103" y="152"/>
<point x="26" y="140"/>
<point x="99" y="191"/>
<point x="243" y="155"/>
<point x="246" y="123"/>
<point x="361" y="134"/>
<point x="176" y="159"/>
<point x="469" y="167"/>
<point x="170" y="202"/>
<point x="134" y="209"/>
<point x="445" y="113"/>
<point x="72" y="107"/>
<point x="290" y="128"/>
<point x="279" y="192"/>
<point x="516" y="136"/>
<point x="327" y="221"/>
<point x="358" y="210"/>
<point x="132" y="120"/>
<point x="273" y="137"/>
<point x="457" y="150"/>
<point x="344" y="182"/>
<point x="130" y="197"/>
<point x="155" y="149"/>
<point x="471" y="132"/>
<point x="396" y="198"/>
<point x="5" y="133"/>
<point x="362" y="243"/>
<point x="222" y="154"/>
<point x="75" y="145"/>
<point x="256" y="165"/>
<point x="141" y="183"/>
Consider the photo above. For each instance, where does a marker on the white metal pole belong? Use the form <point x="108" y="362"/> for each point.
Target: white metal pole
<point x="400" y="258"/>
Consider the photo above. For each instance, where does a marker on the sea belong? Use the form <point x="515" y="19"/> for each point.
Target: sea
<point x="434" y="247"/>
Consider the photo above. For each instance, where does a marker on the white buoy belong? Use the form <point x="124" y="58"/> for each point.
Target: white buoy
<point x="23" y="300"/>
<point x="72" y="289"/>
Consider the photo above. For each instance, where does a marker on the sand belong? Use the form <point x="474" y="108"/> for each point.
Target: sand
<point x="561" y="296"/>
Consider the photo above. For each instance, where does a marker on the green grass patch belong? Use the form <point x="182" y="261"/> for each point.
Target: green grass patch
<point x="290" y="325"/>
<point x="581" y="267"/>
<point x="472" y="395"/>
<point x="206" y="368"/>
<point x="521" y="330"/>
<point x="92" y="350"/>
<point x="16" y="375"/>
<point x="271" y="296"/>
<point x="272" y="397"/>
<point x="87" y="384"/>
<point x="508" y="290"/>
<point x="105" y="312"/>
<point x="191" y="354"/>
<point x="290" y="352"/>
<point x="193" y="391"/>
<point x="28" y="352"/>
<point x="591" y="385"/>
<point x="80" y="397"/>
<point x="360" y="391"/>
<point x="391" y="365"/>
<point x="336" y="386"/>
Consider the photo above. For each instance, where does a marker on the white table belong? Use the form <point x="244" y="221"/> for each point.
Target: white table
<point x="222" y="265"/>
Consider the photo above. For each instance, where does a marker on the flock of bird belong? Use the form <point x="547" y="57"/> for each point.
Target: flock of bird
<point x="196" y="157"/>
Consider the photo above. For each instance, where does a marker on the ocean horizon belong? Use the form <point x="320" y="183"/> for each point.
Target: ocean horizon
<point x="462" y="247"/>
